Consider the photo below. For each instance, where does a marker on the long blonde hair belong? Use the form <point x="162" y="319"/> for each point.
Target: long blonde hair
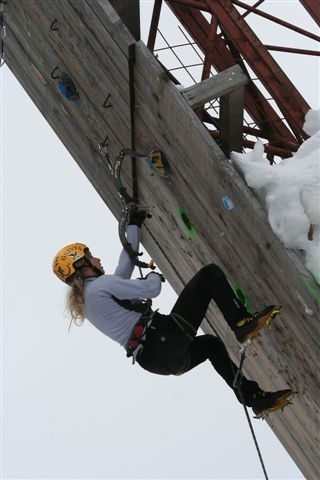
<point x="75" y="300"/>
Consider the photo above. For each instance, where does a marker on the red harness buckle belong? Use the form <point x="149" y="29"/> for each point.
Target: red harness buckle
<point x="138" y="335"/>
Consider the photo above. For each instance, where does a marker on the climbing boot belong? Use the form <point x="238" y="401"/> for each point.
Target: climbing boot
<point x="249" y="327"/>
<point x="263" y="403"/>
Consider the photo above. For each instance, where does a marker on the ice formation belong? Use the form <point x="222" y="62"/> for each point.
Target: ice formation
<point x="290" y="191"/>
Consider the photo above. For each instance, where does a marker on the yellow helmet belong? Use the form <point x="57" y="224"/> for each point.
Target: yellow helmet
<point x="63" y="262"/>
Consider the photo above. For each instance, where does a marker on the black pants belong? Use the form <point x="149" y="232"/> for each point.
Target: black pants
<point x="172" y="346"/>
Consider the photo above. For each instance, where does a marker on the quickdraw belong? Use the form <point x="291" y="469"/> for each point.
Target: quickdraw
<point x="160" y="167"/>
<point x="128" y="206"/>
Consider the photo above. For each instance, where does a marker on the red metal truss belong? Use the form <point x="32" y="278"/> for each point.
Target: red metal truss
<point x="313" y="7"/>
<point x="238" y="43"/>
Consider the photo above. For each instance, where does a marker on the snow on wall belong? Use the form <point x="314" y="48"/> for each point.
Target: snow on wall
<point x="290" y="192"/>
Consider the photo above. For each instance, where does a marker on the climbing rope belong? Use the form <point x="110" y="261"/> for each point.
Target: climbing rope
<point x="131" y="63"/>
<point x="238" y="373"/>
<point x="3" y="32"/>
<point x="237" y="384"/>
<point x="126" y="199"/>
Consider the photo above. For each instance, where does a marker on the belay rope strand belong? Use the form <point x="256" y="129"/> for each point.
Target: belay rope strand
<point x="238" y="373"/>
<point x="238" y="379"/>
<point x="131" y="61"/>
<point x="237" y="384"/>
<point x="3" y="32"/>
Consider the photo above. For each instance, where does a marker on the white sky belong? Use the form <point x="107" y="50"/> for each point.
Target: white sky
<point x="73" y="406"/>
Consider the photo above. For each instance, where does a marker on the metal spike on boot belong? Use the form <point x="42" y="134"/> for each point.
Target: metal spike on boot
<point x="264" y="403"/>
<point x="249" y="327"/>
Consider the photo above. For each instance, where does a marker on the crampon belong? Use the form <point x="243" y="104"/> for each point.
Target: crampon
<point x="250" y="328"/>
<point x="280" y="403"/>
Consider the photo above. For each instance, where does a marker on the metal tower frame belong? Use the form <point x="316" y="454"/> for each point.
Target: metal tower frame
<point x="225" y="38"/>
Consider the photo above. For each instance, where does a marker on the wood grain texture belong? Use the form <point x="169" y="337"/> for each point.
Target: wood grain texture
<point x="91" y="44"/>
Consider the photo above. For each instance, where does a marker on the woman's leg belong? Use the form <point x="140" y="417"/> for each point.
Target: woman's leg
<point x="208" y="284"/>
<point x="209" y="347"/>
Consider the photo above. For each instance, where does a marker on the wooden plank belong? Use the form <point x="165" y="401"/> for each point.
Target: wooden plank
<point x="128" y="11"/>
<point x="216" y="86"/>
<point x="231" y="121"/>
<point x="229" y="85"/>
<point x="93" y="49"/>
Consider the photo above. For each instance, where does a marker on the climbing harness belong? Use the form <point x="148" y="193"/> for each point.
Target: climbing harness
<point x="138" y="335"/>
<point x="185" y="326"/>
<point x="3" y="31"/>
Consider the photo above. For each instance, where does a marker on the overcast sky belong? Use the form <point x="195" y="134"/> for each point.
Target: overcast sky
<point x="73" y="405"/>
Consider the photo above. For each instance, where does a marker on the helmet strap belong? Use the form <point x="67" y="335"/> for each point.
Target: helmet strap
<point x="87" y="264"/>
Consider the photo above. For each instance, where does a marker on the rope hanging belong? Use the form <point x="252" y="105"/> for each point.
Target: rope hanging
<point x="3" y="32"/>
<point x="237" y="384"/>
<point x="132" y="61"/>
<point x="238" y="374"/>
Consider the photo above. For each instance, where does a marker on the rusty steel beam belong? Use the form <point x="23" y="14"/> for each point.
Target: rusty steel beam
<point x="314" y="53"/>
<point x="154" y="24"/>
<point x="270" y="150"/>
<point x="277" y="20"/>
<point x="238" y="32"/>
<point x="253" y="6"/>
<point x="313" y="8"/>
<point x="272" y="126"/>
<point x="208" y="58"/>
<point x="192" y="4"/>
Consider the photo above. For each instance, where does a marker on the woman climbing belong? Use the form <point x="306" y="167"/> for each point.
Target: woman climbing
<point x="163" y="344"/>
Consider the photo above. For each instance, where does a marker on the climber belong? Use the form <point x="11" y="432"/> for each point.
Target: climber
<point x="162" y="344"/>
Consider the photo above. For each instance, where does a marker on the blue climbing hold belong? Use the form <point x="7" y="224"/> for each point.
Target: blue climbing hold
<point x="67" y="88"/>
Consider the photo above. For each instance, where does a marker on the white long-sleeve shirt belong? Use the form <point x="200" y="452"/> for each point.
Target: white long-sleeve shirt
<point x="102" y="311"/>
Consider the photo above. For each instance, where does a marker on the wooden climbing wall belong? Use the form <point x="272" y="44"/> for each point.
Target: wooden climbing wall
<point x="88" y="40"/>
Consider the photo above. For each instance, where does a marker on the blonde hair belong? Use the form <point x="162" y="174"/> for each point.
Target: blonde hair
<point x="75" y="300"/>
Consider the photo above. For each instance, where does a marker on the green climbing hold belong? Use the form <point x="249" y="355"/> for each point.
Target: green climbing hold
<point x="186" y="224"/>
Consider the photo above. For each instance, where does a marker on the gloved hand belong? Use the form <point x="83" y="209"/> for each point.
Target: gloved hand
<point x="137" y="217"/>
<point x="162" y="277"/>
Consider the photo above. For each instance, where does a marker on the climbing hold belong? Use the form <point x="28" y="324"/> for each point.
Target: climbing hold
<point x="67" y="88"/>
<point x="107" y="103"/>
<point x="312" y="289"/>
<point x="53" y="26"/>
<point x="158" y="163"/>
<point x="185" y="222"/>
<point x="227" y="203"/>
<point x="243" y="298"/>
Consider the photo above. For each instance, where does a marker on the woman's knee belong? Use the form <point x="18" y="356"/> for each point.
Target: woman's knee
<point x="212" y="270"/>
<point x="211" y="341"/>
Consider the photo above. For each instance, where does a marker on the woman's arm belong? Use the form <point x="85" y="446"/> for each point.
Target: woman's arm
<point x="125" y="265"/>
<point x="149" y="287"/>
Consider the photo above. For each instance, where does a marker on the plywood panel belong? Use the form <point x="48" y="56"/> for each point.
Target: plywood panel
<point x="91" y="44"/>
